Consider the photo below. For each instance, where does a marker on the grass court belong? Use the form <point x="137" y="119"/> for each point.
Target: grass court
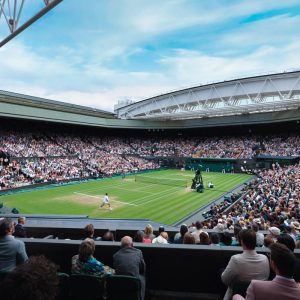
<point x="130" y="198"/>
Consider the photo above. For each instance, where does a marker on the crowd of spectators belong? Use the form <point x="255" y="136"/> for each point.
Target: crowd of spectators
<point x="38" y="158"/>
<point x="272" y="199"/>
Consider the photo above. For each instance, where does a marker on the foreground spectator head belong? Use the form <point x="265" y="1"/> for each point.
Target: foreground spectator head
<point x="274" y="231"/>
<point x="215" y="238"/>
<point x="188" y="238"/>
<point x="89" y="231"/>
<point x="204" y="238"/>
<point x="126" y="241"/>
<point x="198" y="225"/>
<point x="248" y="239"/>
<point x="148" y="230"/>
<point x="108" y="236"/>
<point x="183" y="229"/>
<point x="225" y="238"/>
<point x="34" y="280"/>
<point x="287" y="240"/>
<point x="161" y="229"/>
<point x="139" y="236"/>
<point x="6" y="227"/>
<point x="282" y="260"/>
<point x="268" y="241"/>
<point x="165" y="235"/>
<point x="86" y="249"/>
<point x="21" y="220"/>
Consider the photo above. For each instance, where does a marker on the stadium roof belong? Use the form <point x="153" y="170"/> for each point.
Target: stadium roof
<point x="251" y="95"/>
<point x="36" y="102"/>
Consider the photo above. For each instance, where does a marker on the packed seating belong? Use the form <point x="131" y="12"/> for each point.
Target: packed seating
<point x="37" y="157"/>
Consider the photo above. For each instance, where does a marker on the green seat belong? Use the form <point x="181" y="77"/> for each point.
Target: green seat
<point x="123" y="287"/>
<point x="86" y="287"/>
<point x="240" y="287"/>
<point x="64" y="286"/>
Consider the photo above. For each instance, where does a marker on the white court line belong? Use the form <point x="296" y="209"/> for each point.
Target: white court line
<point x="133" y="190"/>
<point x="165" y="192"/>
<point x="99" y="198"/>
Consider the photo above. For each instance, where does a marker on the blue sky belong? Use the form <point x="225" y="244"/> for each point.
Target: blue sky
<point x="97" y="52"/>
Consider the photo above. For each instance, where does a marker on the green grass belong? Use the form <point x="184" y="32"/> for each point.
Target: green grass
<point x="129" y="198"/>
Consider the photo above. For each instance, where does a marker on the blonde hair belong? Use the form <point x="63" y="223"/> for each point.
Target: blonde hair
<point x="148" y="230"/>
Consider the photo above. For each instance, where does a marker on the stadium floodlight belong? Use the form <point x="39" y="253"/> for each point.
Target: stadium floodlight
<point x="11" y="12"/>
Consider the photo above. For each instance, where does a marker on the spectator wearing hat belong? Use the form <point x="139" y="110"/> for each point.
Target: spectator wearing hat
<point x="246" y="266"/>
<point x="274" y="233"/>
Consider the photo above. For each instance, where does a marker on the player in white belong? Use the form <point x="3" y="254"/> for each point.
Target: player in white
<point x="105" y="201"/>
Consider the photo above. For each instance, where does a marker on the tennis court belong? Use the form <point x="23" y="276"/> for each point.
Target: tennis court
<point x="161" y="196"/>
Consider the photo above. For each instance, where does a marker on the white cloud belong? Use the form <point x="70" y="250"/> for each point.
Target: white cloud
<point x="91" y="70"/>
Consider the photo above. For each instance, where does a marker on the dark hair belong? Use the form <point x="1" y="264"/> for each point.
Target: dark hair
<point x="5" y="225"/>
<point x="215" y="238"/>
<point x="248" y="237"/>
<point x="198" y="225"/>
<point x="36" y="279"/>
<point x="188" y="238"/>
<point x="183" y="229"/>
<point x="255" y="227"/>
<point x="204" y="238"/>
<point x="86" y="249"/>
<point x="283" y="258"/>
<point x="161" y="229"/>
<point x="287" y="240"/>
<point x="108" y="236"/>
<point x="89" y="231"/>
<point x="268" y="241"/>
<point x="139" y="236"/>
<point x="225" y="238"/>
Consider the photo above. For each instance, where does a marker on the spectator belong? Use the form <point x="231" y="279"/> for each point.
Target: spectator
<point x="85" y="263"/>
<point x="225" y="239"/>
<point x="288" y="241"/>
<point x="236" y="230"/>
<point x="259" y="235"/>
<point x="89" y="232"/>
<point x="12" y="251"/>
<point x="36" y="279"/>
<point x="215" y="239"/>
<point x="161" y="239"/>
<point x="283" y="286"/>
<point x="108" y="236"/>
<point x="268" y="241"/>
<point x="189" y="238"/>
<point x="204" y="238"/>
<point x="274" y="233"/>
<point x="139" y="237"/>
<point x="19" y="228"/>
<point x="197" y="231"/>
<point x="178" y="238"/>
<point x="130" y="261"/>
<point x="148" y="234"/>
<point x="246" y="266"/>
